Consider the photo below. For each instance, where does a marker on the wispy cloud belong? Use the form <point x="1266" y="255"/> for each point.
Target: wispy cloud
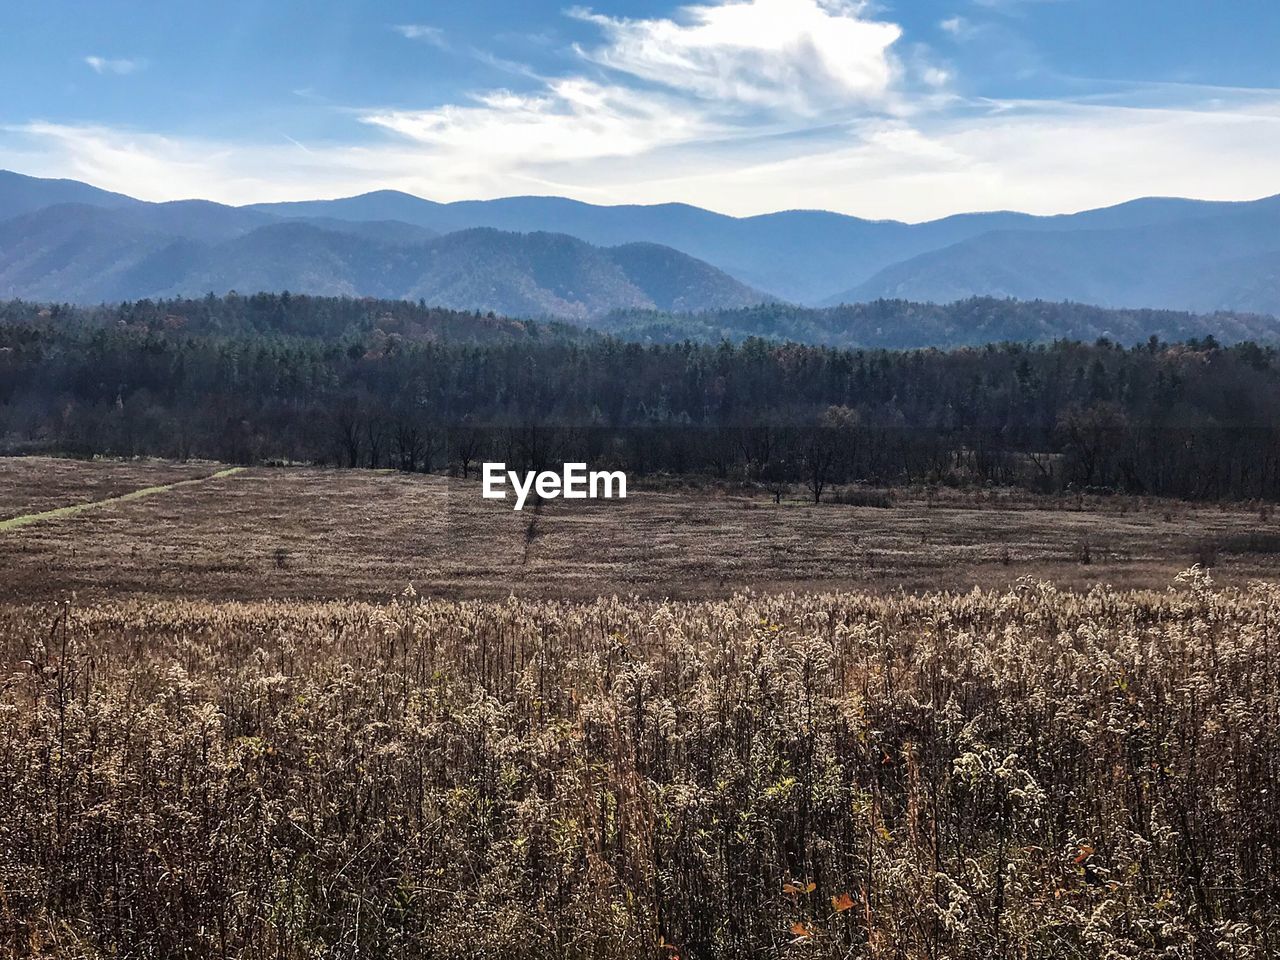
<point x="119" y="67"/>
<point x="1025" y="155"/>
<point x="297" y="143"/>
<point x="423" y="32"/>
<point x="571" y="119"/>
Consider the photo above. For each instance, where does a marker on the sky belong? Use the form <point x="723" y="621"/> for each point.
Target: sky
<point x="881" y="109"/>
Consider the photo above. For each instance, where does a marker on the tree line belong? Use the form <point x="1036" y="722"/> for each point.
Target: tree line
<point x="409" y="388"/>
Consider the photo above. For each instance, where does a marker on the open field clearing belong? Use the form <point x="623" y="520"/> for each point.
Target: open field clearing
<point x="302" y="532"/>
<point x="75" y="509"/>
<point x="1022" y="774"/>
<point x="36" y="484"/>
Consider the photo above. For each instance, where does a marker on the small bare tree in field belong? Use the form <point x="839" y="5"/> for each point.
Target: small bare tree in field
<point x="466" y="446"/>
<point x="375" y="438"/>
<point x="348" y="427"/>
<point x="413" y="443"/>
<point x="1093" y="438"/>
<point x="824" y="444"/>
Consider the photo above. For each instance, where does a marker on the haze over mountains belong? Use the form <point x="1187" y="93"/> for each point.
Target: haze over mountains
<point x="547" y="256"/>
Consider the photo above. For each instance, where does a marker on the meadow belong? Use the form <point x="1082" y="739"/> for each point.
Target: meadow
<point x="1020" y="773"/>
<point x="312" y="533"/>
<point x="297" y="713"/>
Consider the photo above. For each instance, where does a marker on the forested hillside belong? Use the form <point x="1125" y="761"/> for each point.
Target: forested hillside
<point x="1150" y="252"/>
<point x="887" y="324"/>
<point x="287" y="315"/>
<point x="1228" y="260"/>
<point x="903" y="324"/>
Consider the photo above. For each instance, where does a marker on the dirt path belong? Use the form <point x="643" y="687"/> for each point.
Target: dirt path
<point x="13" y="523"/>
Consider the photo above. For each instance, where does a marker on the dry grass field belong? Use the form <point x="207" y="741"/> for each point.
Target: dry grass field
<point x="35" y="484"/>
<point x="303" y="532"/>
<point x="1022" y="775"/>
<point x="708" y="726"/>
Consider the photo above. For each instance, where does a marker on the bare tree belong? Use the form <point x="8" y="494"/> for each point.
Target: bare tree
<point x="466" y="444"/>
<point x="822" y="445"/>
<point x="347" y="423"/>
<point x="408" y="443"/>
<point x="1092" y="437"/>
<point x="375" y="435"/>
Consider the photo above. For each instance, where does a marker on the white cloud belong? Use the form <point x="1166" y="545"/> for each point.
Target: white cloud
<point x="1034" y="156"/>
<point x="572" y="119"/>
<point x="145" y="165"/>
<point x="423" y="32"/>
<point x="739" y="69"/>
<point x="155" y="167"/>
<point x="802" y="56"/>
<point x="119" y="67"/>
<point x="935" y="76"/>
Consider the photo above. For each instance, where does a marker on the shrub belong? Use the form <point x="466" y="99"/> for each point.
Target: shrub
<point x="862" y="497"/>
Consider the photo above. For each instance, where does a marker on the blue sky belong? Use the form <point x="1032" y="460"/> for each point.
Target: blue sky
<point x="881" y="109"/>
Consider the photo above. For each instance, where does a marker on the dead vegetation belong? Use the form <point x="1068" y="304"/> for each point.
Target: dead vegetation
<point x="35" y="484"/>
<point x="1024" y="773"/>
<point x="306" y="533"/>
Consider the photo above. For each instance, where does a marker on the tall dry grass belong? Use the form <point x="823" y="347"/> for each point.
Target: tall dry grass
<point x="1022" y="774"/>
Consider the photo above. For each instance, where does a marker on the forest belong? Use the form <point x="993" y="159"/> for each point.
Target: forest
<point x="373" y="384"/>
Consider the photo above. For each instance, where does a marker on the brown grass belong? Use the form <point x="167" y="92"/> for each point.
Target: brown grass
<point x="36" y="484"/>
<point x="1021" y="774"/>
<point x="337" y="533"/>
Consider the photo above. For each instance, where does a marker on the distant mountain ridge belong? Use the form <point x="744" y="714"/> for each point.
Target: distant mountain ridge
<point x="1164" y="253"/>
<point x="1225" y="261"/>
<point x="128" y="250"/>
<point x="799" y="255"/>
<point x="22" y="194"/>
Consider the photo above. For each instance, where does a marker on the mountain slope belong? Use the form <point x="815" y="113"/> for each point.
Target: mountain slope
<point x="79" y="253"/>
<point x="797" y="254"/>
<point x="1193" y="264"/>
<point x="538" y="274"/>
<point x="21" y="194"/>
<point x="673" y="281"/>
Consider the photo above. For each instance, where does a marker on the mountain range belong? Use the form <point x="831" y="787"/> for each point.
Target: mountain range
<point x="549" y="256"/>
<point x="124" y="250"/>
<point x="1155" y="252"/>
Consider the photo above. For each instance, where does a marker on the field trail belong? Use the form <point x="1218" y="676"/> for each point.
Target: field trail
<point x="58" y="513"/>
